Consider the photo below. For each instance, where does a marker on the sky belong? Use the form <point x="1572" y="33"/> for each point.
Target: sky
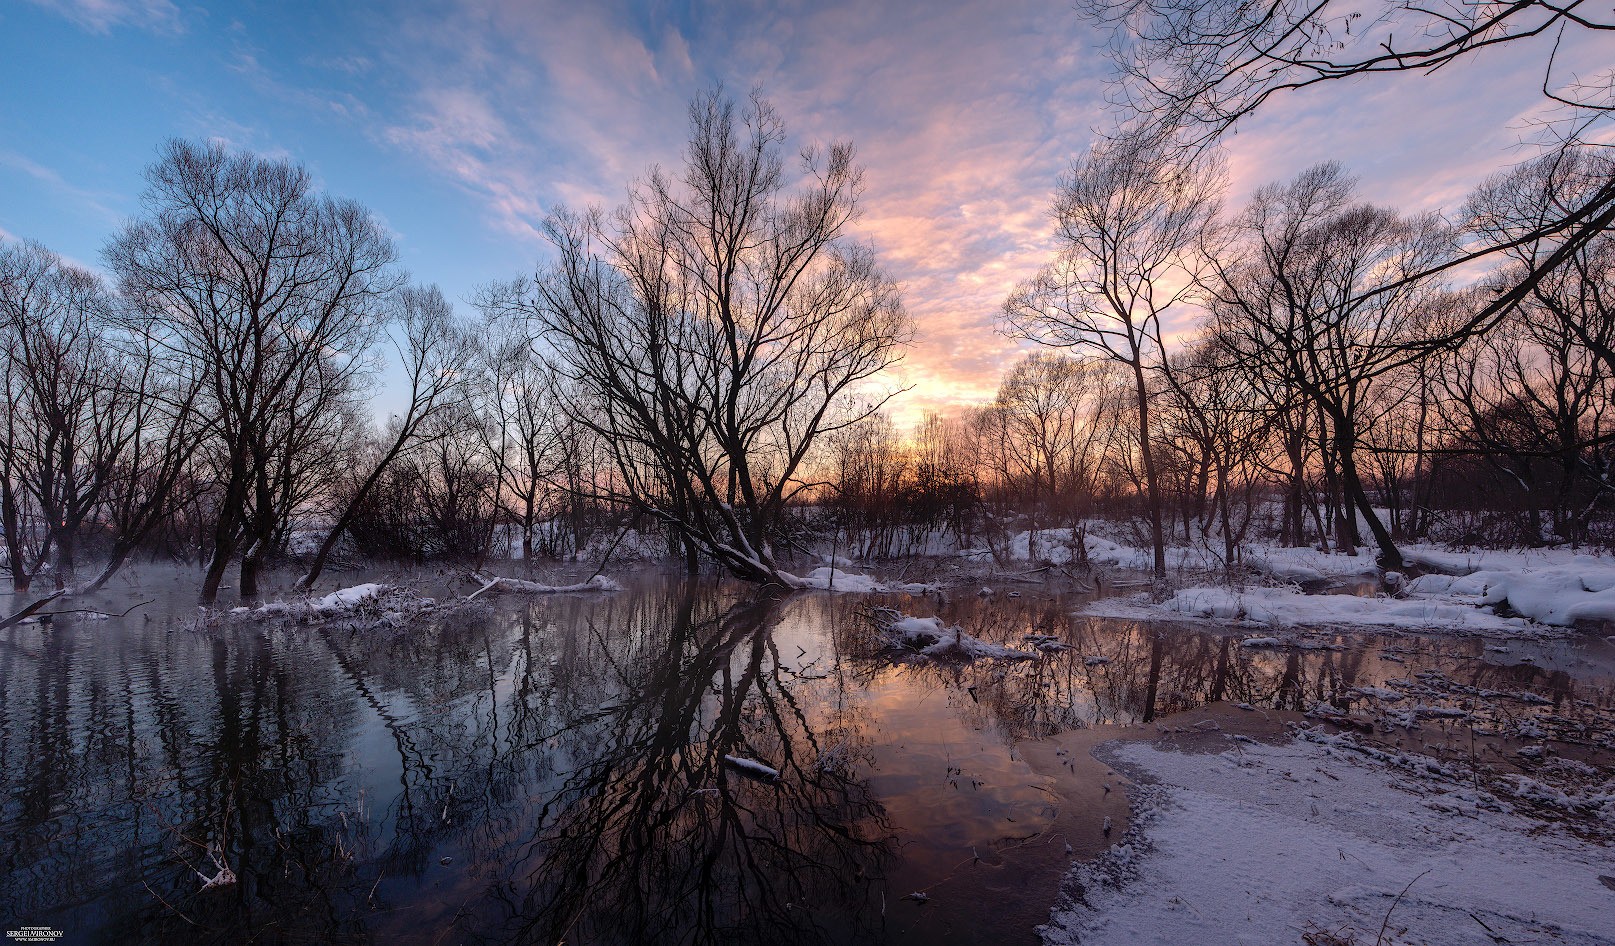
<point x="461" y="123"/>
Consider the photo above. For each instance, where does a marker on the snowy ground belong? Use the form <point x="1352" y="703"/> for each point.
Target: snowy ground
<point x="1303" y="841"/>
<point x="1283" y="607"/>
<point x="1504" y="591"/>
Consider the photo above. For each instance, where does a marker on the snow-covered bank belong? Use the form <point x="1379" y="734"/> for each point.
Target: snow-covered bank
<point x="1269" y="844"/>
<point x="1516" y="593"/>
<point x="1288" y="607"/>
<point x="1581" y="590"/>
<point x="1284" y="563"/>
<point x="1060" y="547"/>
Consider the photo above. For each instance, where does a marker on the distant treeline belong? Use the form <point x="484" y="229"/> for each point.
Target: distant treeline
<point x="709" y="365"/>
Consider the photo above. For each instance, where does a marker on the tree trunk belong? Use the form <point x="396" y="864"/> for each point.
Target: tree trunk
<point x="1147" y="457"/>
<point x="215" y="574"/>
<point x="1224" y="517"/>
<point x="1152" y="686"/>
<point x="251" y="565"/>
<point x="1390" y="557"/>
<point x="527" y="537"/>
<point x="66" y="564"/>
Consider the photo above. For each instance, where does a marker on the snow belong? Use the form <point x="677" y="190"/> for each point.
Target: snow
<point x="1057" y="546"/>
<point x="1306" y="565"/>
<point x="835" y="579"/>
<point x="1462" y="591"/>
<point x="1598" y="804"/>
<point x="520" y="586"/>
<point x="830" y="578"/>
<point x="1302" y="565"/>
<point x="752" y="768"/>
<point x="1287" y="607"/>
<point x="931" y="638"/>
<point x="1580" y="590"/>
<point x="1263" y="844"/>
<point x="1383" y="694"/>
<point x="305" y="541"/>
<point x="223" y="875"/>
<point x="332" y="605"/>
<point x="1437" y="559"/>
<point x="348" y="598"/>
<point x="632" y="545"/>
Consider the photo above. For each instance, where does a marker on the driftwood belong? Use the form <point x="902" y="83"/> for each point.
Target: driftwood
<point x="1015" y="579"/>
<point x="107" y="614"/>
<point x="28" y="610"/>
<point x="32" y="609"/>
<point x="597" y="582"/>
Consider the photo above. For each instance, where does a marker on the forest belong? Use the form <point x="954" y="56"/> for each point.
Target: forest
<point x="710" y="370"/>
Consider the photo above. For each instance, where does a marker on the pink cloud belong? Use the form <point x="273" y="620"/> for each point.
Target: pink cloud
<point x="963" y="115"/>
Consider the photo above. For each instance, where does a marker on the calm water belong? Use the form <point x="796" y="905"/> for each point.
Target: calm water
<point x="552" y="770"/>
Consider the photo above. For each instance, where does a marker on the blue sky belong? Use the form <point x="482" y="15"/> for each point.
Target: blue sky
<point x="461" y="122"/>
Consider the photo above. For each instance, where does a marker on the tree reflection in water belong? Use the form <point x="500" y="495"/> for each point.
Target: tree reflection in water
<point x="652" y="837"/>
<point x="565" y="756"/>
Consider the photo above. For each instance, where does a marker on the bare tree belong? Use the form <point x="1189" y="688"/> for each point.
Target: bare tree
<point x="155" y="480"/>
<point x="435" y="354"/>
<point x="1130" y="218"/>
<point x="1514" y="208"/>
<point x="717" y="326"/>
<point x="947" y="474"/>
<point x="1213" y="63"/>
<point x="272" y="294"/>
<point x="524" y="429"/>
<point x="1196" y="69"/>
<point x="1050" y="430"/>
<point x="869" y="476"/>
<point x="69" y="412"/>
<point x="1320" y="294"/>
<point x="1211" y="409"/>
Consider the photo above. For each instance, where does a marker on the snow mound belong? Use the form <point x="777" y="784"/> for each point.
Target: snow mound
<point x="752" y="768"/>
<point x="372" y="602"/>
<point x="1583" y="590"/>
<point x="348" y="598"/>
<point x="1058" y="547"/>
<point x="929" y="637"/>
<point x="1309" y="565"/>
<point x="831" y="578"/>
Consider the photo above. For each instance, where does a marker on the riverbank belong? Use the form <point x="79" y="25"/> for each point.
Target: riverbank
<point x="1254" y="826"/>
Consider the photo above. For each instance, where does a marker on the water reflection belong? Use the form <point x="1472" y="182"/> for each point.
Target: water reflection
<point x="554" y="770"/>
